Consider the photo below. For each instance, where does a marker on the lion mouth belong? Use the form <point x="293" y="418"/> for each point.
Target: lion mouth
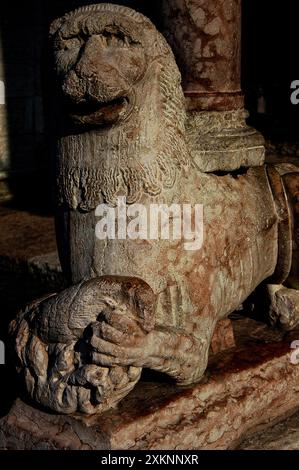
<point x="99" y="113"/>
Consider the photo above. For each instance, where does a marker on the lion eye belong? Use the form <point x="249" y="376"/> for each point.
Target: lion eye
<point x="72" y="44"/>
<point x="114" y="39"/>
<point x="68" y="44"/>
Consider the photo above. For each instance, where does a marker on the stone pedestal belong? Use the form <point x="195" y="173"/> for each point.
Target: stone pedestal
<point x="245" y="389"/>
<point x="206" y="38"/>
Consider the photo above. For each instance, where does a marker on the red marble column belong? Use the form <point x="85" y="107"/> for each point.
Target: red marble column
<point x="206" y="36"/>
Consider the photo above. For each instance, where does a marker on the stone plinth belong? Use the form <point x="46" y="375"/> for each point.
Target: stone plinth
<point x="245" y="389"/>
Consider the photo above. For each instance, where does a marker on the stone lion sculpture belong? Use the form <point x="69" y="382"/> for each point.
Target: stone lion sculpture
<point x="140" y="302"/>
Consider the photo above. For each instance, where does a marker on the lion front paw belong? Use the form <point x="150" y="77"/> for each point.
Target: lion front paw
<point x="120" y="340"/>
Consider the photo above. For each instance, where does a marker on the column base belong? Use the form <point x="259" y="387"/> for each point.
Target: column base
<point x="222" y="141"/>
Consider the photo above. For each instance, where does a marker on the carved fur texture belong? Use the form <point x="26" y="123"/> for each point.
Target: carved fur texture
<point x="55" y="337"/>
<point x="153" y="304"/>
<point x="116" y="70"/>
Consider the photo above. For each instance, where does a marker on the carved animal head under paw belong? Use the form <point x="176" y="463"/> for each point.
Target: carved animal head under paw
<point x="53" y="341"/>
<point x="101" y="52"/>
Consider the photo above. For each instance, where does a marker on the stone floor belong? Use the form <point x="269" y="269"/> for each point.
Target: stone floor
<point x="29" y="268"/>
<point x="27" y="243"/>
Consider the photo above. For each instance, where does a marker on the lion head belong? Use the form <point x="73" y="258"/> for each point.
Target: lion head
<point x="101" y="53"/>
<point x="122" y="92"/>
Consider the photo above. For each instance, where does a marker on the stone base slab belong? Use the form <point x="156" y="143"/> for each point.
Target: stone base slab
<point x="246" y="389"/>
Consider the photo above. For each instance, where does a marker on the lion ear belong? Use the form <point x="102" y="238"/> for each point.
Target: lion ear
<point x="55" y="26"/>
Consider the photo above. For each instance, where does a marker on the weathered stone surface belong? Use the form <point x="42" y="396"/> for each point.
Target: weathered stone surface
<point x="282" y="436"/>
<point x="44" y="266"/>
<point x="291" y="185"/>
<point x="61" y="335"/>
<point x="245" y="389"/>
<point x="26" y="428"/>
<point x="122" y="133"/>
<point x="73" y="378"/>
<point x="206" y="38"/>
<point x="222" y="141"/>
<point x="284" y="307"/>
<point x="223" y="337"/>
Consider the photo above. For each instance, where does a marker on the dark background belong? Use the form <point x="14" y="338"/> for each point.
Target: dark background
<point x="270" y="49"/>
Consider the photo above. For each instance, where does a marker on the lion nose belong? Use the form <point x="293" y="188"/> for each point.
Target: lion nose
<point x="98" y="64"/>
<point x="97" y="60"/>
<point x="91" y="58"/>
